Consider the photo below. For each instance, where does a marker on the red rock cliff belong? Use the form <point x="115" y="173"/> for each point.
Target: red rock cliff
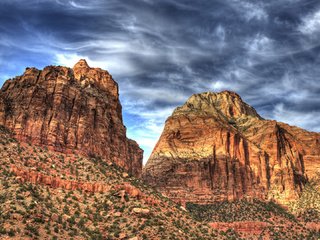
<point x="216" y="147"/>
<point x="70" y="110"/>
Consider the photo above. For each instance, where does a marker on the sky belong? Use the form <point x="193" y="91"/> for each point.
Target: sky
<point x="162" y="51"/>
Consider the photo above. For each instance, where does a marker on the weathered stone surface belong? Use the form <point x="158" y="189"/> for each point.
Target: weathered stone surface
<point x="134" y="238"/>
<point x="141" y="210"/>
<point x="27" y="175"/>
<point x="132" y="191"/>
<point x="216" y="147"/>
<point x="70" y="110"/>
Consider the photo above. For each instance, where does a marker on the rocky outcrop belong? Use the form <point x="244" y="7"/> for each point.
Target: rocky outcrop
<point x="34" y="177"/>
<point x="216" y="147"/>
<point x="141" y="211"/>
<point x="132" y="191"/>
<point x="70" y="110"/>
<point x="25" y="175"/>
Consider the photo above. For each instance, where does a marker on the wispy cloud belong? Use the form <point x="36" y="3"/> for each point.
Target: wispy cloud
<point x="251" y="10"/>
<point x="308" y="120"/>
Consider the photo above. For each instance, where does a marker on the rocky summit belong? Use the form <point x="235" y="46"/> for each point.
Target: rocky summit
<point x="70" y="110"/>
<point x="216" y="147"/>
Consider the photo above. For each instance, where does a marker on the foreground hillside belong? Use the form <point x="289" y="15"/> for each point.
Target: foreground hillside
<point x="47" y="195"/>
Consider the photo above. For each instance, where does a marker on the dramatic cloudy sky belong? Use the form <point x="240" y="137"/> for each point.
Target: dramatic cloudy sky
<point x="162" y="51"/>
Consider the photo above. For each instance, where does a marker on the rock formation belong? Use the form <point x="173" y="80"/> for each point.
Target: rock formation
<point x="24" y="175"/>
<point x="70" y="110"/>
<point x="216" y="147"/>
<point x="35" y="177"/>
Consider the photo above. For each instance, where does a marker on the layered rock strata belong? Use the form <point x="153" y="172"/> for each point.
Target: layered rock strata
<point x="70" y="110"/>
<point x="34" y="177"/>
<point x="216" y="147"/>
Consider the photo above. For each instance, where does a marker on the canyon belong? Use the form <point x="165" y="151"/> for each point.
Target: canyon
<point x="68" y="169"/>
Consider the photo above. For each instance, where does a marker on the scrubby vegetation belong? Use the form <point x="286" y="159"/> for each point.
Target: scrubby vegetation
<point x="39" y="211"/>
<point x="281" y="224"/>
<point x="240" y="210"/>
<point x="307" y="208"/>
<point x="309" y="215"/>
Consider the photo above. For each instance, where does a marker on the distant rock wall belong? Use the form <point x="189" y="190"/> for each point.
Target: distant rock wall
<point x="216" y="147"/>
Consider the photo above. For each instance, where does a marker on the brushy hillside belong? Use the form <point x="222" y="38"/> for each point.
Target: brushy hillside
<point x="45" y="195"/>
<point x="308" y="205"/>
<point x="241" y="210"/>
<point x="280" y="223"/>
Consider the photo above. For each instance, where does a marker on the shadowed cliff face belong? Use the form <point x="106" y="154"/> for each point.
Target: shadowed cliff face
<point x="70" y="110"/>
<point x="216" y="147"/>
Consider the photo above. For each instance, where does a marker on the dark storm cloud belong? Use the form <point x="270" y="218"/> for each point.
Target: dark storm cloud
<point x="161" y="52"/>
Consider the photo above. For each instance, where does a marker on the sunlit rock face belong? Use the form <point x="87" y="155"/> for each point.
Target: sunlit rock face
<point x="216" y="147"/>
<point x="70" y="110"/>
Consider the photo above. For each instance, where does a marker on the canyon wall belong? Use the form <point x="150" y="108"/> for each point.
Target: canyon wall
<point x="216" y="147"/>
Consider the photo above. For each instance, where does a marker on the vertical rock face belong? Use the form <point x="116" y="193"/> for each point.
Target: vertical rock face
<point x="70" y="110"/>
<point x="216" y="147"/>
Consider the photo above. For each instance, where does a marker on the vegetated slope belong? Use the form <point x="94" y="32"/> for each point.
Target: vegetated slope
<point x="255" y="219"/>
<point x="307" y="207"/>
<point x="240" y="210"/>
<point x="49" y="195"/>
